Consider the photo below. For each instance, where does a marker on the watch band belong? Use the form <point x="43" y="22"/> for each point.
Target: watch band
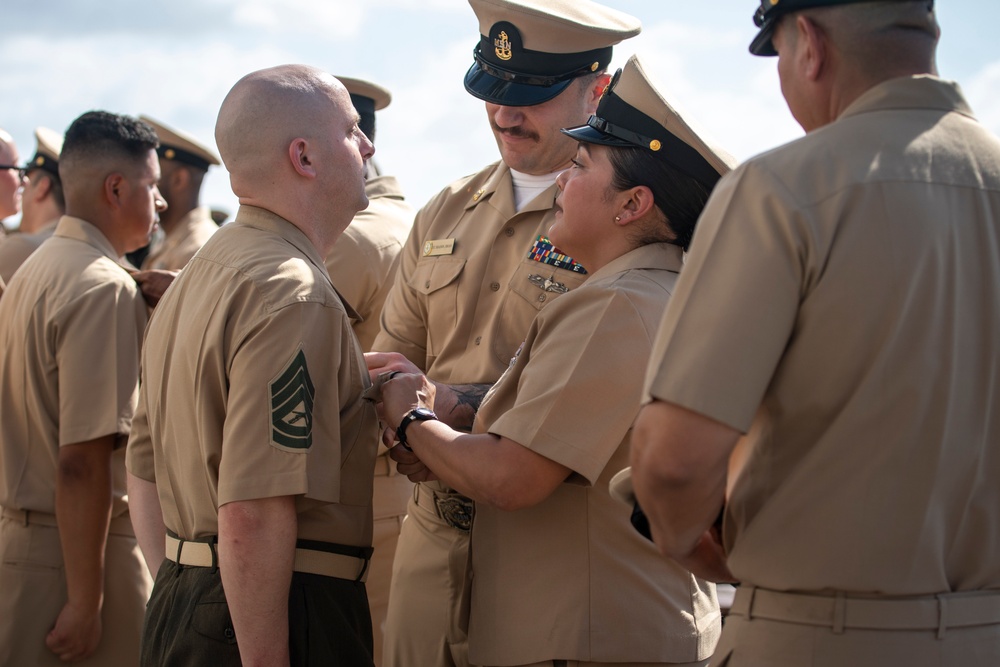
<point x="414" y="415"/>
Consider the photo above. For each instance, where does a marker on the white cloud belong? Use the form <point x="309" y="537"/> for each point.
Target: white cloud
<point x="329" y="19"/>
<point x="983" y="91"/>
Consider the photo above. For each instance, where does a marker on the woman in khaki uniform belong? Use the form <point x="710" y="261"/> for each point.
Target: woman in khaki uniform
<point x="558" y="572"/>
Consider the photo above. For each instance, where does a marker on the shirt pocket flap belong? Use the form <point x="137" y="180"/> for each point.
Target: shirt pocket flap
<point x="431" y="275"/>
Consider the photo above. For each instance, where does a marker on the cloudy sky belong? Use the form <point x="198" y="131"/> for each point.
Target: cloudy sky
<point x="177" y="60"/>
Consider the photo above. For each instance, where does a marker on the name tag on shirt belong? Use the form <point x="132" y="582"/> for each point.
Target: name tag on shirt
<point x="440" y="247"/>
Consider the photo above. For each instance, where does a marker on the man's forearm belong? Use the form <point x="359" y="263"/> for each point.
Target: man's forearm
<point x="256" y="553"/>
<point x="147" y="521"/>
<point x="679" y="464"/>
<point x="457" y="404"/>
<point x="83" y="512"/>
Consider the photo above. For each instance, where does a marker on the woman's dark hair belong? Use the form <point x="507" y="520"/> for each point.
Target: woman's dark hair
<point x="678" y="196"/>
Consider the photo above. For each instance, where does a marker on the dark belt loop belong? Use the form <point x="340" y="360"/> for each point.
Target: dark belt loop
<point x="25" y="518"/>
<point x="839" y="613"/>
<point x="942" y="615"/>
<point x="363" y="570"/>
<point x="215" y="554"/>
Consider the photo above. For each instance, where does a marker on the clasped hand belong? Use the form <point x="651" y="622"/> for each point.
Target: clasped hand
<point x="398" y="386"/>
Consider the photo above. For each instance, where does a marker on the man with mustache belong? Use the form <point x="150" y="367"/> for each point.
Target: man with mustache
<point x="476" y="269"/>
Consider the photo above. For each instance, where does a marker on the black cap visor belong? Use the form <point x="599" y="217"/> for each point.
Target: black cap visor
<point x="761" y="44"/>
<point x="618" y="124"/>
<point x="176" y="154"/>
<point x="592" y="133"/>
<point x="495" y="90"/>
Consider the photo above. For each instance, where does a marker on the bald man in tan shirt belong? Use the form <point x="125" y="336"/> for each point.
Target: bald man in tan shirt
<point x="254" y="444"/>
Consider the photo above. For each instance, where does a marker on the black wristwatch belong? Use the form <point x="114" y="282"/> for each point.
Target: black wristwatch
<point x="414" y="415"/>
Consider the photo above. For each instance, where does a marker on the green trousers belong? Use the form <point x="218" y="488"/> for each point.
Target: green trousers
<point x="187" y="621"/>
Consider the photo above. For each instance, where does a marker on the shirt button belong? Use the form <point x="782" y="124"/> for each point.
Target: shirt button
<point x="478" y="339"/>
<point x="494" y="286"/>
<point x="541" y="297"/>
<point x="509" y="231"/>
<point x="427" y="284"/>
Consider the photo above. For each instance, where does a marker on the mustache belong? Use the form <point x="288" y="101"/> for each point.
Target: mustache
<point x="516" y="131"/>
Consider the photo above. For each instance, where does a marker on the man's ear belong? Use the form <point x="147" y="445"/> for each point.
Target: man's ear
<point x="115" y="188"/>
<point x="813" y="54"/>
<point x="595" y="92"/>
<point x="42" y="187"/>
<point x="301" y="158"/>
<point x="180" y="179"/>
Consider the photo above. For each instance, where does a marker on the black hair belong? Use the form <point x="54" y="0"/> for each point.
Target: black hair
<point x="367" y="125"/>
<point x="55" y="184"/>
<point x="100" y="134"/>
<point x="679" y="197"/>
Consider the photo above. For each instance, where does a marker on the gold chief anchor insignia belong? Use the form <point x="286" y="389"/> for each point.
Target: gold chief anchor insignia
<point x="502" y="44"/>
<point x="547" y="284"/>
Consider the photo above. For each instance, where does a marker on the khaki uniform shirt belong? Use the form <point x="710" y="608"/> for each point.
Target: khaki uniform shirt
<point x="181" y="243"/>
<point x="841" y="302"/>
<point x="16" y="247"/>
<point x="71" y="327"/>
<point x="459" y="310"/>
<point x="570" y="578"/>
<point x="363" y="263"/>
<point x="251" y="388"/>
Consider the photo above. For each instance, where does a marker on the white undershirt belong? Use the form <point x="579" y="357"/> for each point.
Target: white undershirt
<point x="529" y="186"/>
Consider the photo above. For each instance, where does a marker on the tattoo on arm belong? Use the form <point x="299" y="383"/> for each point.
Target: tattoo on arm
<point x="468" y="398"/>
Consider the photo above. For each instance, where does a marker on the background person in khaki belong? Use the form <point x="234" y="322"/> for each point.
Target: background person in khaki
<point x="464" y="295"/>
<point x="73" y="582"/>
<point x="841" y="304"/>
<point x="253" y="444"/>
<point x="11" y="181"/>
<point x="42" y="203"/>
<point x="559" y="574"/>
<point x="186" y="224"/>
<point x="362" y="265"/>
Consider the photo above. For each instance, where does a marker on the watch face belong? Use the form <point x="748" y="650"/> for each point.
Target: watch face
<point x="423" y="413"/>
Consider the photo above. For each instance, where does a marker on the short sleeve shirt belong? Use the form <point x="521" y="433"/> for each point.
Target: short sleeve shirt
<point x="183" y="241"/>
<point x="841" y="303"/>
<point x="252" y="388"/>
<point x="17" y="247"/>
<point x="570" y="578"/>
<point x="464" y="294"/>
<point x="71" y="326"/>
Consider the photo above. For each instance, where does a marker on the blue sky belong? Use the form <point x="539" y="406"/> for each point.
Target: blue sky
<point x="176" y="61"/>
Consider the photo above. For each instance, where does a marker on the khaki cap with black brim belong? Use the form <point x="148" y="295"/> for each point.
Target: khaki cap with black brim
<point x="633" y="113"/>
<point x="181" y="146"/>
<point x="770" y="11"/>
<point x="531" y="50"/>
<point x="49" y="146"/>
<point x="366" y="96"/>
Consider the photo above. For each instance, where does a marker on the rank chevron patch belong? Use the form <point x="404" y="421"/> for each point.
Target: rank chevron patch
<point x="292" y="395"/>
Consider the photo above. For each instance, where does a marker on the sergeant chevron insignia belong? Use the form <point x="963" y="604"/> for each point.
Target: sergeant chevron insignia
<point x="292" y="396"/>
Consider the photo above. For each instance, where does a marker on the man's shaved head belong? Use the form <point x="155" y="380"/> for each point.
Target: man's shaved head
<point x="266" y="110"/>
<point x="289" y="137"/>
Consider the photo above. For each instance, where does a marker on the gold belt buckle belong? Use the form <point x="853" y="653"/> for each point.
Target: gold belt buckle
<point x="456" y="511"/>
